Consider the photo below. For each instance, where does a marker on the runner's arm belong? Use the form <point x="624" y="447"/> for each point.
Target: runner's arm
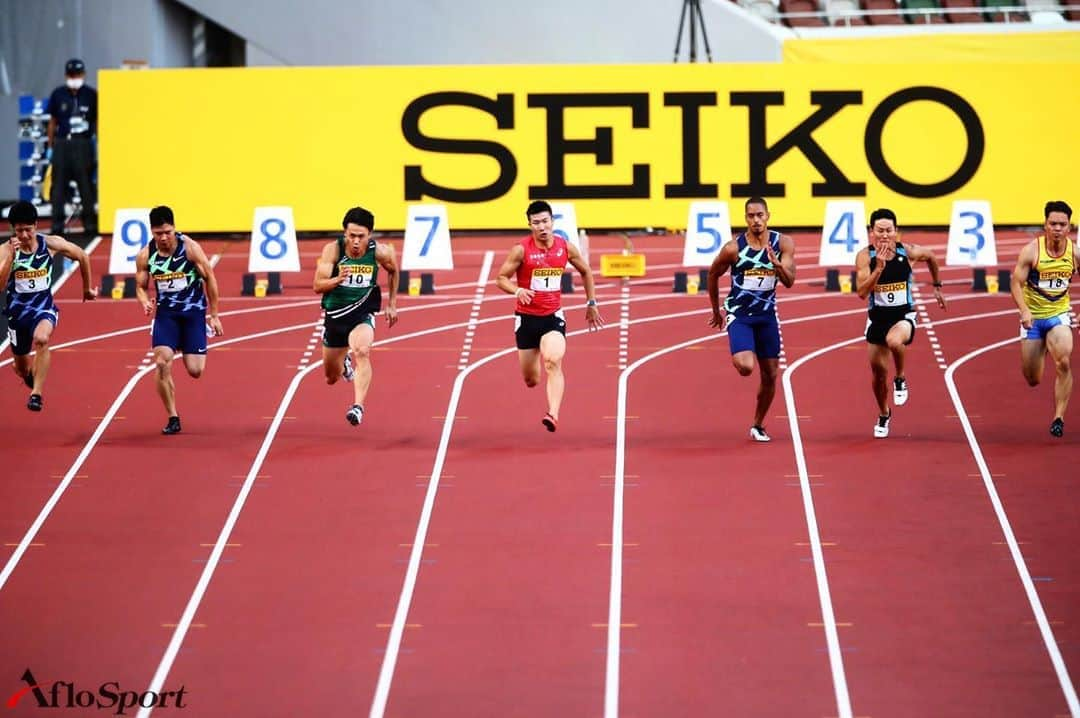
<point x="1019" y="277"/>
<point x="324" y="268"/>
<point x="7" y="256"/>
<point x="76" y="253"/>
<point x="202" y="266"/>
<point x="509" y="269"/>
<point x="864" y="278"/>
<point x="592" y="311"/>
<point x="385" y="256"/>
<point x="720" y="264"/>
<point x="785" y="270"/>
<point x="142" y="279"/>
<point x="923" y="254"/>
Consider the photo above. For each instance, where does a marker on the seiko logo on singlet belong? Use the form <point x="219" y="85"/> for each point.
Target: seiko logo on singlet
<point x="1061" y="274"/>
<point x="30" y="273"/>
<point x="891" y="287"/>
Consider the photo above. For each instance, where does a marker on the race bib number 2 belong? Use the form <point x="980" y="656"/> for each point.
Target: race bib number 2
<point x="175" y="282"/>
<point x="546" y="279"/>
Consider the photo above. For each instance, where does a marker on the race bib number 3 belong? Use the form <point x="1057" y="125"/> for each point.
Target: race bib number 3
<point x="357" y="275"/>
<point x="891" y="295"/>
<point x="546" y="279"/>
<point x="31" y="280"/>
<point x="173" y="282"/>
<point x="759" y="280"/>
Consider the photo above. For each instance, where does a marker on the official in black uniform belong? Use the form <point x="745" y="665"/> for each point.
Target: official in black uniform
<point x="72" y="113"/>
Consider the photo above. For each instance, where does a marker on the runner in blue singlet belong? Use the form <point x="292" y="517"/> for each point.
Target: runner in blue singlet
<point x="758" y="258"/>
<point x="26" y="270"/>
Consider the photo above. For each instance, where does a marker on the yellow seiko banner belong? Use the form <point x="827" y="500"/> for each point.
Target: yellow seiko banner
<point x="630" y="146"/>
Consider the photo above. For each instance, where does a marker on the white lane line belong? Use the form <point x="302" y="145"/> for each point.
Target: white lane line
<point x="143" y="370"/>
<point x="180" y="632"/>
<point x="474" y="314"/>
<point x="931" y="335"/>
<point x="611" y="688"/>
<point x="832" y="638"/>
<point x="397" y="628"/>
<point x="1045" y="630"/>
<point x="146" y="327"/>
<point x="59" y="283"/>
<point x="624" y="323"/>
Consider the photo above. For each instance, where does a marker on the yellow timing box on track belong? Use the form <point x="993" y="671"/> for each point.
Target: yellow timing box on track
<point x="622" y="265"/>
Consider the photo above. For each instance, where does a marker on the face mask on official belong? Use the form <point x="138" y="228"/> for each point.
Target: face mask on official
<point x="74" y="83"/>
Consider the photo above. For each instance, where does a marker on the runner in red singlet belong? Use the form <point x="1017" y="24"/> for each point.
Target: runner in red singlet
<point x="538" y="262"/>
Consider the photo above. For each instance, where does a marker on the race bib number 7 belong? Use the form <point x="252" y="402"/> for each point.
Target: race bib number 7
<point x="546" y="279"/>
<point x="759" y="280"/>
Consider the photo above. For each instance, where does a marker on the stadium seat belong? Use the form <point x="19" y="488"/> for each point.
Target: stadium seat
<point x="962" y="11"/>
<point x="922" y="18"/>
<point x="994" y="13"/>
<point x="844" y="13"/>
<point x="766" y="9"/>
<point x="884" y="18"/>
<point x="800" y="6"/>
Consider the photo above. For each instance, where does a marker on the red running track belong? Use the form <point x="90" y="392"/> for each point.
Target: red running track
<point x="259" y="558"/>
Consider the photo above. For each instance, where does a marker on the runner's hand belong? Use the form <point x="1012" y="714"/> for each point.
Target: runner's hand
<point x="593" y="318"/>
<point x="148" y="307"/>
<point x="717" y="320"/>
<point x="215" y="324"/>
<point x="771" y="254"/>
<point x="524" y="295"/>
<point x="391" y="315"/>
<point x="1025" y="319"/>
<point x="90" y="294"/>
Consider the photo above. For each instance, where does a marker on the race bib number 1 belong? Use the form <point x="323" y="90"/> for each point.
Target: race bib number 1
<point x="546" y="279"/>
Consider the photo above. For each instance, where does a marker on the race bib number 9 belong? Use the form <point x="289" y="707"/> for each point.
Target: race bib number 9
<point x="546" y="279"/>
<point x="172" y="282"/>
<point x="891" y="295"/>
<point x="31" y="280"/>
<point x="759" y="280"/>
<point x="357" y="275"/>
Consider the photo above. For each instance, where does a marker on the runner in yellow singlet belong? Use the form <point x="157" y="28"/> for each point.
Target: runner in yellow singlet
<point x="1040" y="288"/>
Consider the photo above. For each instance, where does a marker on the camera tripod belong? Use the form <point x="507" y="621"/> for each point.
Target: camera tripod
<point x="697" y="22"/>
